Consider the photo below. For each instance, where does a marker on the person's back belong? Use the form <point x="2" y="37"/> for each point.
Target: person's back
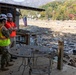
<point x="4" y="37"/>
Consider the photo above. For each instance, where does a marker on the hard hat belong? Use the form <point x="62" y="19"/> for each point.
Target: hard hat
<point x="3" y="17"/>
<point x="9" y="15"/>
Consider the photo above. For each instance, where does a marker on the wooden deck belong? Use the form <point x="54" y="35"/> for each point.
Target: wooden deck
<point x="67" y="70"/>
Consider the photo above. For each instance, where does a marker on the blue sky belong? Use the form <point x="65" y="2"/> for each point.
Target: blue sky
<point x="18" y="0"/>
<point x="32" y="3"/>
<point x="27" y="0"/>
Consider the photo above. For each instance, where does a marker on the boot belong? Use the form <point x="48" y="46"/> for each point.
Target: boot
<point x="8" y="64"/>
<point x="12" y="60"/>
<point x="4" y="69"/>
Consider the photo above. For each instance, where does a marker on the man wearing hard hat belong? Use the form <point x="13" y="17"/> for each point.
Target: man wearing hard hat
<point x="11" y="26"/>
<point x="4" y="43"/>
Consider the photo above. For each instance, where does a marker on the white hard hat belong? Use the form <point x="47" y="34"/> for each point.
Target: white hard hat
<point x="9" y="15"/>
<point x="3" y="17"/>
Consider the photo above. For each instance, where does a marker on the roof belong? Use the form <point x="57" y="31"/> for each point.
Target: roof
<point x="12" y="4"/>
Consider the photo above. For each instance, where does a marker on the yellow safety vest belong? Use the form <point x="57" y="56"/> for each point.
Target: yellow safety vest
<point x="4" y="41"/>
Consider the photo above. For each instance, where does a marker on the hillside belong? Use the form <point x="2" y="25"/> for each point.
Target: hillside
<point x="56" y="10"/>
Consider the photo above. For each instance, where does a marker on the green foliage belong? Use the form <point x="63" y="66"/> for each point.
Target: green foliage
<point x="60" y="10"/>
<point x="56" y="10"/>
<point x="29" y="13"/>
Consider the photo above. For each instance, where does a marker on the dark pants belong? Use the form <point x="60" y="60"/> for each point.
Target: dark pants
<point x="13" y="44"/>
<point x="4" y="56"/>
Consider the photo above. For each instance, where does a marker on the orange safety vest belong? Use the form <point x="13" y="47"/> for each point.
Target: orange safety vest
<point x="9" y="25"/>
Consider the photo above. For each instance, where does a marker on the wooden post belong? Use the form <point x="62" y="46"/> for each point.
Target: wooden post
<point x="60" y="55"/>
<point x="0" y="10"/>
<point x="14" y="14"/>
<point x="27" y="39"/>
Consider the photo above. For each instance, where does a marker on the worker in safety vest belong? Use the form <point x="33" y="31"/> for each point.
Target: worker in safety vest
<point x="4" y="43"/>
<point x="11" y="26"/>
